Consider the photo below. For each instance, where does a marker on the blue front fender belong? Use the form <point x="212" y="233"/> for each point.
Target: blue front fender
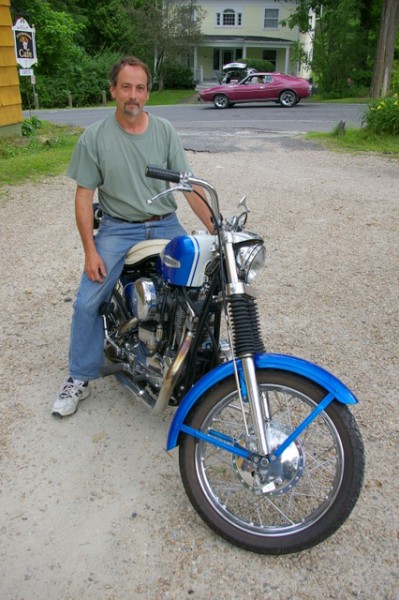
<point x="279" y="362"/>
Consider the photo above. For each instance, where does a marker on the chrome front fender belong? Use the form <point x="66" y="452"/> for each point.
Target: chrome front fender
<point x="280" y="362"/>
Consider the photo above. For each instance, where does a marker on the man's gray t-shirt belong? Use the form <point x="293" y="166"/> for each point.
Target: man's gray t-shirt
<point x="113" y="161"/>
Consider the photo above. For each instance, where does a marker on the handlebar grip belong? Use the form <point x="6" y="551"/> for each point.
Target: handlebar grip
<point x="164" y="174"/>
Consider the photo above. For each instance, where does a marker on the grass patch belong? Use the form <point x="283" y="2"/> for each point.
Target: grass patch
<point x="349" y="100"/>
<point x="46" y="152"/>
<point x="168" y="97"/>
<point x="358" y="140"/>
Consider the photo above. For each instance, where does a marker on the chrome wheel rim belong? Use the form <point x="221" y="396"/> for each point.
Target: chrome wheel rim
<point x="273" y="508"/>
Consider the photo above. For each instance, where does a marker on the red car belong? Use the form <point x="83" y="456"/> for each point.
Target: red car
<point x="259" y="87"/>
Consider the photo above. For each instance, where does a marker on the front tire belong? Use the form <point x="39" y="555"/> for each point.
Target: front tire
<point x="319" y="480"/>
<point x="221" y="101"/>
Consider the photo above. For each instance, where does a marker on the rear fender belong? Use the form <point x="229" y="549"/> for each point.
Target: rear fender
<point x="280" y="362"/>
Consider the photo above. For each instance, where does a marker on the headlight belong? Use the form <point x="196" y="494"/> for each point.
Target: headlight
<point x="250" y="261"/>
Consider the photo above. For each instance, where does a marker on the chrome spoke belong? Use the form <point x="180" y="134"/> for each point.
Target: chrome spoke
<point x="234" y="489"/>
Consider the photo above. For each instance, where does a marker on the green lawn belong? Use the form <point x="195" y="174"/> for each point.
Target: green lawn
<point x="168" y="97"/>
<point x="358" y="140"/>
<point x="46" y="153"/>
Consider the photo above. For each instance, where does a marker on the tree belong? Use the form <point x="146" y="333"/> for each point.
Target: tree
<point x="338" y="39"/>
<point x="167" y="31"/>
<point x="346" y="34"/>
<point x="56" y="33"/>
<point x="64" y="67"/>
<point x="385" y="49"/>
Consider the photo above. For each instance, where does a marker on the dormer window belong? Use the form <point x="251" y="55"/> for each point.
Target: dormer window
<point x="229" y="18"/>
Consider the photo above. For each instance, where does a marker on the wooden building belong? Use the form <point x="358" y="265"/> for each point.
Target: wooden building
<point x="10" y="97"/>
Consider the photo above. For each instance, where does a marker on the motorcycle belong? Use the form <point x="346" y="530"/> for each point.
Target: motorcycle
<point x="270" y="456"/>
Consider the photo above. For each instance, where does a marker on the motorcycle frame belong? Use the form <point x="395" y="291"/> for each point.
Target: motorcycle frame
<point x="244" y="367"/>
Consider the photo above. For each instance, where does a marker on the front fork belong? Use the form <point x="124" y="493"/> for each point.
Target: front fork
<point x="259" y="407"/>
<point x="244" y="330"/>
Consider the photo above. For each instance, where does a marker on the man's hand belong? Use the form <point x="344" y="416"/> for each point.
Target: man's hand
<point x="94" y="267"/>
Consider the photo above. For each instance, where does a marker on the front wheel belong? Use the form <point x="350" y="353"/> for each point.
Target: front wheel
<point x="294" y="502"/>
<point x="221" y="101"/>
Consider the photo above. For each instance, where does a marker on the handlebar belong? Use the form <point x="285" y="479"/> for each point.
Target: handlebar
<point x="163" y="174"/>
<point x="186" y="181"/>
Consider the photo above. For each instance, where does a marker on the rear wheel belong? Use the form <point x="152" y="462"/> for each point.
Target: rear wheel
<point x="291" y="503"/>
<point x="288" y="99"/>
<point x="221" y="101"/>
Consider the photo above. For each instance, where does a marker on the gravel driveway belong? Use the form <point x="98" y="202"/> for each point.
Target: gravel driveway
<point x="92" y="507"/>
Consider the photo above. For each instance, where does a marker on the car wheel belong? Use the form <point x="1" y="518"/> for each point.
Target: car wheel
<point x="288" y="98"/>
<point x="221" y="101"/>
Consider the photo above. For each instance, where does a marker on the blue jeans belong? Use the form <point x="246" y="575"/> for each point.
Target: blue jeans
<point x="113" y="241"/>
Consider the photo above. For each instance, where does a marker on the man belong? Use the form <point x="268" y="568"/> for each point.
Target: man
<point x="111" y="157"/>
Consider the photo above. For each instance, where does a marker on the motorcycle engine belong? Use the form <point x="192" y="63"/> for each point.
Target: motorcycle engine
<point x="145" y="302"/>
<point x="143" y="299"/>
<point x="160" y="316"/>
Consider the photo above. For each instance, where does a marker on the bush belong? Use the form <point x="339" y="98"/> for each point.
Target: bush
<point x="85" y="79"/>
<point x="30" y="126"/>
<point x="383" y="116"/>
<point x="258" y="64"/>
<point x="177" y="77"/>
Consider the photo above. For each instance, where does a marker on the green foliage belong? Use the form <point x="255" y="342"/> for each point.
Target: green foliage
<point x="85" y="80"/>
<point x="177" y="76"/>
<point x="78" y="41"/>
<point x="171" y="97"/>
<point x="165" y="32"/>
<point x="383" y="116"/>
<point x="30" y="126"/>
<point x="259" y="65"/>
<point x="395" y="76"/>
<point x="358" y="140"/>
<point x="345" y="38"/>
<point x="339" y="51"/>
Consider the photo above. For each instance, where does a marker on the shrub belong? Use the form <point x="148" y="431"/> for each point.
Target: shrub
<point x="29" y="126"/>
<point x="177" y="77"/>
<point x="383" y="116"/>
<point x="85" y="79"/>
<point x="258" y="64"/>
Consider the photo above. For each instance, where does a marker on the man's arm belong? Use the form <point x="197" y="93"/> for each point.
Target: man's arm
<point x="94" y="266"/>
<point x="200" y="208"/>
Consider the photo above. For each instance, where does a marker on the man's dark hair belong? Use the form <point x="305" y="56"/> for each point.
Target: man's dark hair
<point x="131" y="61"/>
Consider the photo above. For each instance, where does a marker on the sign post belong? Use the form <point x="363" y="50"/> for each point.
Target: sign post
<point x="25" y="51"/>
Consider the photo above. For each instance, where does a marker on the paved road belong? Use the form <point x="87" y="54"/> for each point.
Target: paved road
<point x="205" y="128"/>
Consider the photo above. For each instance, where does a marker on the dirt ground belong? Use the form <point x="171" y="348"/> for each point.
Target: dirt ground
<point x="91" y="506"/>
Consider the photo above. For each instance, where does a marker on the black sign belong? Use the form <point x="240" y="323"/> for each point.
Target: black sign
<point x="24" y="45"/>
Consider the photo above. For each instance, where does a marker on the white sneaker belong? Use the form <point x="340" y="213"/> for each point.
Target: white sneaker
<point x="72" y="393"/>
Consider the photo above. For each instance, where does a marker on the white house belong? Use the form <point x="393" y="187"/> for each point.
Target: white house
<point x="234" y="30"/>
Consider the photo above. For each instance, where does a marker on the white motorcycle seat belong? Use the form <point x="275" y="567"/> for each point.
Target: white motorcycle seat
<point x="143" y="250"/>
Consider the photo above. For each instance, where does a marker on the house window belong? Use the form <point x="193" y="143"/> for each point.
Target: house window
<point x="229" y="18"/>
<point x="271" y="18"/>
